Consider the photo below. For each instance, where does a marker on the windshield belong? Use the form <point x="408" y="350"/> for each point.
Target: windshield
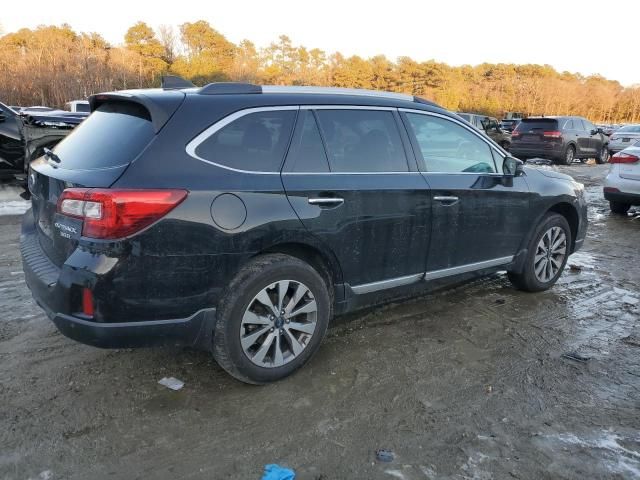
<point x="112" y="136"/>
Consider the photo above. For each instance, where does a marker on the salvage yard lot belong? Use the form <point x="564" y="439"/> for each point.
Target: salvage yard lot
<point x="466" y="383"/>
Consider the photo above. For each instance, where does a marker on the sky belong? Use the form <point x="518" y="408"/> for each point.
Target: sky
<point x="585" y="36"/>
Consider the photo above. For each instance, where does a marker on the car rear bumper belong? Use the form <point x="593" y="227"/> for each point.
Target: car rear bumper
<point x="622" y="197"/>
<point x="53" y="290"/>
<point x="552" y="152"/>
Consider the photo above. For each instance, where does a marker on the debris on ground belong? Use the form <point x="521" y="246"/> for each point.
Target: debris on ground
<point x="539" y="161"/>
<point x="172" y="383"/>
<point x="276" y="472"/>
<point x="631" y="340"/>
<point x="591" y="161"/>
<point x="488" y="389"/>
<point x="575" y="268"/>
<point x="500" y="301"/>
<point x="383" y="455"/>
<point x="576" y="357"/>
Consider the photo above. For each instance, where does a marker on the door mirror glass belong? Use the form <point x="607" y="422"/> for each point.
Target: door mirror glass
<point x="512" y="166"/>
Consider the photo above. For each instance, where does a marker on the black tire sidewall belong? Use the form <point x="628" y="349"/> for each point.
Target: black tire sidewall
<point x="566" y="152"/>
<point x="227" y="334"/>
<point x="528" y="275"/>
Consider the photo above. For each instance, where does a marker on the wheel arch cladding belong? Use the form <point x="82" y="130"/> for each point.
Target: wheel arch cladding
<point x="327" y="267"/>
<point x="569" y="212"/>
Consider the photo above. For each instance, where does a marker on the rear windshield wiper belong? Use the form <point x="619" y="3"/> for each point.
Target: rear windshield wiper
<point x="50" y="155"/>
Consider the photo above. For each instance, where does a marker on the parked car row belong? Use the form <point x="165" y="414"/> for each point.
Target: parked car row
<point x="490" y="126"/>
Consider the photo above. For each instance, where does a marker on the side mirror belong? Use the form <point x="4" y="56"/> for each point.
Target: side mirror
<point x="512" y="166"/>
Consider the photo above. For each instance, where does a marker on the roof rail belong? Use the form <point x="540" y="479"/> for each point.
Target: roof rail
<point x="335" y="91"/>
<point x="170" y="82"/>
<point x="229" y="88"/>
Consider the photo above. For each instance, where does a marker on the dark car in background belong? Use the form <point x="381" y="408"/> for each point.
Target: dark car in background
<point x="26" y="133"/>
<point x="560" y="139"/>
<point x="490" y="126"/>
<point x="509" y="125"/>
<point x="240" y="218"/>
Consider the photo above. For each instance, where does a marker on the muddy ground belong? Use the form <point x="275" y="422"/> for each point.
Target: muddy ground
<point x="467" y="383"/>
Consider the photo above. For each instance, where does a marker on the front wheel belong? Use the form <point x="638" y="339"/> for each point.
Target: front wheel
<point x="619" y="207"/>
<point x="272" y="319"/>
<point x="547" y="255"/>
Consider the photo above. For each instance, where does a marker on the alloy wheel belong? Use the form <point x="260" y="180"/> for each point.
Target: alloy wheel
<point x="278" y="323"/>
<point x="569" y="156"/>
<point x="550" y="254"/>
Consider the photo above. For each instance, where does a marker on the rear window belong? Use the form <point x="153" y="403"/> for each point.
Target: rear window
<point x="545" y="124"/>
<point x="254" y="142"/>
<point x="82" y="107"/>
<point x="112" y="136"/>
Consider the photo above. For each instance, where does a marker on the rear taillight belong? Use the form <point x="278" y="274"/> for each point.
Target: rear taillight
<point x="111" y="214"/>
<point x="622" y="157"/>
<point x="515" y="133"/>
<point x="552" y="134"/>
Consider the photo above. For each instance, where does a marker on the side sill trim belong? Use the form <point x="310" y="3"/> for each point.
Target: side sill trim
<point x="433" y="275"/>
<point x="384" y="284"/>
<point x="470" y="267"/>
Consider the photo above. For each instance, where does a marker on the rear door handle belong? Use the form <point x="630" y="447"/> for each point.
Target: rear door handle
<point x="448" y="200"/>
<point x="326" y="201"/>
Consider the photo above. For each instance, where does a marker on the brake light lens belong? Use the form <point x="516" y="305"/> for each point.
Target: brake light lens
<point x="87" y="302"/>
<point x="552" y="134"/>
<point x="622" y="157"/>
<point x="111" y="214"/>
<point x="515" y="133"/>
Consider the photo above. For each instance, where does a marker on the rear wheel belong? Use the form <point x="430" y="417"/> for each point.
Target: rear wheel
<point x="547" y="255"/>
<point x="271" y="320"/>
<point x="603" y="155"/>
<point x="619" y="207"/>
<point x="569" y="155"/>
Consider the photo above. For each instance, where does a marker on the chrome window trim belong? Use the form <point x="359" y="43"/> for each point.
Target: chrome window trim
<point x="455" y="120"/>
<point x="346" y="107"/>
<point x="281" y="89"/>
<point x="351" y="173"/>
<point x="432" y="275"/>
<point x="204" y="135"/>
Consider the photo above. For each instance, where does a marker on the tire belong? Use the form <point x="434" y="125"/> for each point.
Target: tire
<point x="603" y="155"/>
<point x="268" y="353"/>
<point x="569" y="155"/>
<point x="529" y="279"/>
<point x="619" y="207"/>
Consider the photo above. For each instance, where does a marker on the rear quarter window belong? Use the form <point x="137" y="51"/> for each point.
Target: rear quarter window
<point x="112" y="136"/>
<point x="254" y="142"/>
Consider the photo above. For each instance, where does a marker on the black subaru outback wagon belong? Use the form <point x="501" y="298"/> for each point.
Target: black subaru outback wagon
<point x="241" y="218"/>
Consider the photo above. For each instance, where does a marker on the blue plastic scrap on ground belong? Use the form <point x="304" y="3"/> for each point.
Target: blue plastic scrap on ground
<point x="276" y="472"/>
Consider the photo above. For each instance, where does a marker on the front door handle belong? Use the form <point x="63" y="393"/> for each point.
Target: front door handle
<point x="447" y="200"/>
<point x="326" y="201"/>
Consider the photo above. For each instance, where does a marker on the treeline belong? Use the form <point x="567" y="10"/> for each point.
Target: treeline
<point x="51" y="65"/>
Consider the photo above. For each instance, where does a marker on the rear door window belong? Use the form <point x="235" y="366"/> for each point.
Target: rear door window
<point x="254" y="142"/>
<point x="448" y="147"/>
<point x="306" y="153"/>
<point x="568" y="125"/>
<point x="114" y="135"/>
<point x="362" y="140"/>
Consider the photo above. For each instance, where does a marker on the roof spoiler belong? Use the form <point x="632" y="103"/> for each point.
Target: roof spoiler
<point x="171" y="82"/>
<point x="161" y="105"/>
